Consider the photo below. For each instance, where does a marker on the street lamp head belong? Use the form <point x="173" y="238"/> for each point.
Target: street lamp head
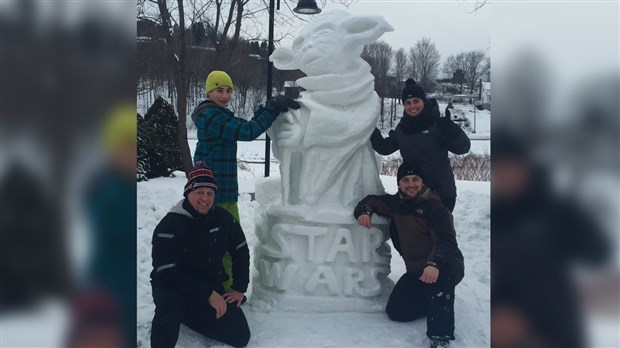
<point x="307" y="7"/>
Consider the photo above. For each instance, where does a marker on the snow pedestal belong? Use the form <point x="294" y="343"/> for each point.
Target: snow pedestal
<point x="317" y="261"/>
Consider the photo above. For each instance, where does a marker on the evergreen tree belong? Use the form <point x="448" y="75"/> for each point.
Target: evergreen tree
<point x="144" y="164"/>
<point x="198" y="32"/>
<point x="158" y="131"/>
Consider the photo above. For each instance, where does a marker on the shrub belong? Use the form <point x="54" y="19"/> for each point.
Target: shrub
<point x="469" y="167"/>
<point x="159" y="152"/>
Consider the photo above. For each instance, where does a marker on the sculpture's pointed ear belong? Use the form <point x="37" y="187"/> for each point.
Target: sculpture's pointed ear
<point x="360" y="30"/>
<point x="283" y="59"/>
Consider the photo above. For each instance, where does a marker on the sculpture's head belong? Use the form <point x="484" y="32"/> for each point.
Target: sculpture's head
<point x="330" y="44"/>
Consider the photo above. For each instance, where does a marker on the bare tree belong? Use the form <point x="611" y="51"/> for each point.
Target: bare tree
<point x="476" y="67"/>
<point x="454" y="68"/>
<point x="184" y="23"/>
<point x="380" y="53"/>
<point x="400" y="68"/>
<point x="479" y="4"/>
<point x="176" y="52"/>
<point x="400" y="74"/>
<point x="225" y="19"/>
<point x="379" y="57"/>
<point x="425" y="59"/>
<point x="411" y="71"/>
<point x="220" y="23"/>
<point x="488" y="73"/>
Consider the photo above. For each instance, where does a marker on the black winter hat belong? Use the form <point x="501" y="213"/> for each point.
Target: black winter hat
<point x="412" y="90"/>
<point x="409" y="168"/>
<point x="200" y="176"/>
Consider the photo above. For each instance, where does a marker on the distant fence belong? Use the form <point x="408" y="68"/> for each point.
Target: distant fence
<point x="470" y="167"/>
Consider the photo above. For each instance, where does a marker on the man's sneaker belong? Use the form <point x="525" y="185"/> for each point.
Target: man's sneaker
<point x="440" y="343"/>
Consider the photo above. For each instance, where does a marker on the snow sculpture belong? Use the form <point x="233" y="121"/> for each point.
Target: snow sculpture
<point x="311" y="255"/>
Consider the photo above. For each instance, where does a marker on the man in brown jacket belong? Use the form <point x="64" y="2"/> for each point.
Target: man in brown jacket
<point x="426" y="240"/>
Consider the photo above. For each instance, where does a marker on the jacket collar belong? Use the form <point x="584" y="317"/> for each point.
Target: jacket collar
<point x="183" y="207"/>
<point x="204" y="104"/>
<point x="424" y="194"/>
<point x="416" y="124"/>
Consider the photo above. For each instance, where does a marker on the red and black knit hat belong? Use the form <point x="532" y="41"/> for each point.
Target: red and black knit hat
<point x="200" y="176"/>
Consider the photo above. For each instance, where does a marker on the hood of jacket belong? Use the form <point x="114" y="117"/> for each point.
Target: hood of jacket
<point x="183" y="207"/>
<point x="179" y="209"/>
<point x="201" y="107"/>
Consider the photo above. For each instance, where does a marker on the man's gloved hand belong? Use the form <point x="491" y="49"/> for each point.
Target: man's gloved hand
<point x="448" y="127"/>
<point x="281" y="103"/>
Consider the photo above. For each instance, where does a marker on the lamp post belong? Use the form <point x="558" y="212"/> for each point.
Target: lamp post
<point x="303" y="7"/>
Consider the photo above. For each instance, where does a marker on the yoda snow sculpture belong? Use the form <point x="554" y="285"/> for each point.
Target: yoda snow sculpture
<point x="324" y="147"/>
<point x="309" y="244"/>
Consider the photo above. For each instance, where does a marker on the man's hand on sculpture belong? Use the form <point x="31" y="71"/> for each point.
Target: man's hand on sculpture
<point x="281" y="103"/>
<point x="364" y="220"/>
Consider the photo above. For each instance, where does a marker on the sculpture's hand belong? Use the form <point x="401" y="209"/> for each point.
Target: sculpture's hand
<point x="289" y="128"/>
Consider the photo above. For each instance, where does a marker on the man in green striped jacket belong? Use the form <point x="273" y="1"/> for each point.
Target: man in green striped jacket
<point x="218" y="133"/>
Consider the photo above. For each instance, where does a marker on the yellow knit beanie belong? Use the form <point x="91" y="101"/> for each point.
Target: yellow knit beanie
<point x="218" y="78"/>
<point x="120" y="127"/>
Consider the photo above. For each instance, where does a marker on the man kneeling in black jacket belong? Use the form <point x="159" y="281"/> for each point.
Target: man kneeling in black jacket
<point x="425" y="238"/>
<point x="188" y="246"/>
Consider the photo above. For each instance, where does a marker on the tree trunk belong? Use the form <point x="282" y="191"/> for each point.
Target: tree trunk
<point x="186" y="156"/>
<point x="382" y="115"/>
<point x="182" y="86"/>
<point x="392" y="113"/>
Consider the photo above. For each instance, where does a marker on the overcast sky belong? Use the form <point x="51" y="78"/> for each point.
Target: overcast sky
<point x="573" y="38"/>
<point x="453" y="26"/>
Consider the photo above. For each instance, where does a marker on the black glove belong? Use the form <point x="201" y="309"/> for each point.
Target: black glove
<point x="281" y="103"/>
<point x="448" y="127"/>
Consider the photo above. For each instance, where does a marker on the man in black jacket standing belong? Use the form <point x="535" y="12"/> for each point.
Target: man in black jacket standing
<point x="188" y="246"/>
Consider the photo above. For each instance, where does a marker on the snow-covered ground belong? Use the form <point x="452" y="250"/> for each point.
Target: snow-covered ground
<point x="281" y="329"/>
<point x="480" y="140"/>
